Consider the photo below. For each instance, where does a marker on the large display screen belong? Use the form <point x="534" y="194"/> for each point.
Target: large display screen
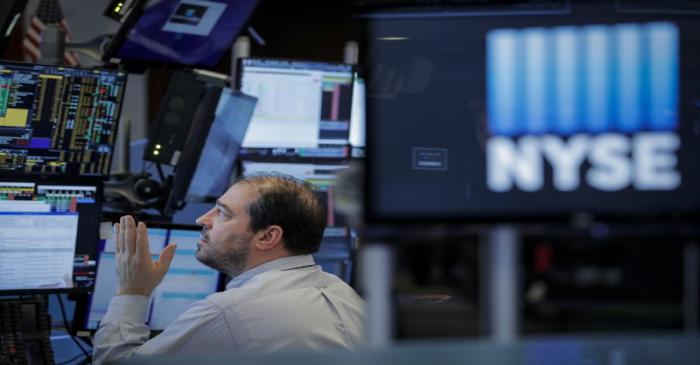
<point x="593" y="111"/>
<point x="186" y="32"/>
<point x="58" y="120"/>
<point x="48" y="235"/>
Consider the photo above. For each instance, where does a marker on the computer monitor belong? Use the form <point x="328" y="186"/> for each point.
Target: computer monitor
<point x="58" y="121"/>
<point x="215" y="165"/>
<point x="10" y="12"/>
<point x="301" y="104"/>
<point x="49" y="233"/>
<point x="322" y="176"/>
<point x="194" y="33"/>
<point x="337" y="253"/>
<point x="520" y="114"/>
<point x="187" y="280"/>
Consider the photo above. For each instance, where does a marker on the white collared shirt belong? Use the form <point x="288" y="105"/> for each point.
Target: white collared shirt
<point x="288" y="303"/>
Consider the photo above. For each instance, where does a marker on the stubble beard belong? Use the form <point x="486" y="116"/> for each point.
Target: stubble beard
<point x="229" y="258"/>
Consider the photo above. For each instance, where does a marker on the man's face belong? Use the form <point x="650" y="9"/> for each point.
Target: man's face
<point x="226" y="236"/>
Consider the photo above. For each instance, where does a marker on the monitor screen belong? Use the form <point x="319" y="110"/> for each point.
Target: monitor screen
<point x="187" y="279"/>
<point x="194" y="33"/>
<point x="300" y="103"/>
<point x="215" y="165"/>
<point x="49" y="233"/>
<point x="323" y="176"/>
<point x="336" y="254"/>
<point x="589" y="111"/>
<point x="58" y="120"/>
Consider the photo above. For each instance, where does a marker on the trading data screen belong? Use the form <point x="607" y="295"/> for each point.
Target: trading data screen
<point x="186" y="282"/>
<point x="57" y="120"/>
<point x="47" y="234"/>
<point x="301" y="104"/>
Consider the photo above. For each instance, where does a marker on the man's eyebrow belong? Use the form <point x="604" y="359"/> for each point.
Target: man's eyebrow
<point x="223" y="207"/>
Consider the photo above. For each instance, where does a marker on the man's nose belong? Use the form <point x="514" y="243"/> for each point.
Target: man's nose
<point x="203" y="220"/>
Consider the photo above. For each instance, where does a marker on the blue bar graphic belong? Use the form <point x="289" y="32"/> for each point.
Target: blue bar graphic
<point x="597" y="71"/>
<point x="629" y="71"/>
<point x="566" y="118"/>
<point x="536" y="71"/>
<point x="501" y="74"/>
<point x="595" y="79"/>
<point x="663" y="64"/>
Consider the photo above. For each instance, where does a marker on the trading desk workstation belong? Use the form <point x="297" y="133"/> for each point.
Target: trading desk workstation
<point x="527" y="164"/>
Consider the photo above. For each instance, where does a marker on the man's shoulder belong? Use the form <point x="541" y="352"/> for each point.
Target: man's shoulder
<point x="266" y="286"/>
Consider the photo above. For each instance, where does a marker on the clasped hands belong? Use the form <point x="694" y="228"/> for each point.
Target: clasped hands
<point x="138" y="273"/>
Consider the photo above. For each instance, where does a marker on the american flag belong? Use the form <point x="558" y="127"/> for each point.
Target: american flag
<point x="48" y="12"/>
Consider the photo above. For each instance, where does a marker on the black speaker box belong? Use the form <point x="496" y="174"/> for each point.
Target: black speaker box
<point x="174" y="118"/>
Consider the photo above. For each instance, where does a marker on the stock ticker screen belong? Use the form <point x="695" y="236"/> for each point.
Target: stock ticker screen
<point x="58" y="120"/>
<point x="48" y="235"/>
<point x="589" y="110"/>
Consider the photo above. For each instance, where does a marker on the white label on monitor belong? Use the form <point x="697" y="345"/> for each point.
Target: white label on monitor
<point x="175" y="159"/>
<point x="357" y="115"/>
<point x="288" y="112"/>
<point x="37" y="250"/>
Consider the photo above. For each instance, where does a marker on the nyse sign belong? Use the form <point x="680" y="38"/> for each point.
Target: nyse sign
<point x="644" y="161"/>
<point x="596" y="105"/>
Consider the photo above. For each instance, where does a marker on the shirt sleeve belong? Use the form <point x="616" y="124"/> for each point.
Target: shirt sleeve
<point x="123" y="332"/>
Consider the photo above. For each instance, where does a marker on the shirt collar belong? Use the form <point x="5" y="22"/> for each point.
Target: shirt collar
<point x="283" y="263"/>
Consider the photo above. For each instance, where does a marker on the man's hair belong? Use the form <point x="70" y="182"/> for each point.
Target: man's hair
<point x="290" y="203"/>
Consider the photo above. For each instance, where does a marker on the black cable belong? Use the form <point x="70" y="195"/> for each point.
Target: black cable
<point x="65" y="323"/>
<point x="160" y="173"/>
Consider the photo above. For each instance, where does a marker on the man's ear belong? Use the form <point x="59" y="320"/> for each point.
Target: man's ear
<point x="269" y="238"/>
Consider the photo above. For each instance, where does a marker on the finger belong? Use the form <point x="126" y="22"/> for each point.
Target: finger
<point x="130" y="235"/>
<point x="115" y="237"/>
<point x="122" y="236"/>
<point x="142" y="241"/>
<point x="166" y="257"/>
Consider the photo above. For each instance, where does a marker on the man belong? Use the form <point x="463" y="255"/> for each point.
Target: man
<point x="261" y="232"/>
